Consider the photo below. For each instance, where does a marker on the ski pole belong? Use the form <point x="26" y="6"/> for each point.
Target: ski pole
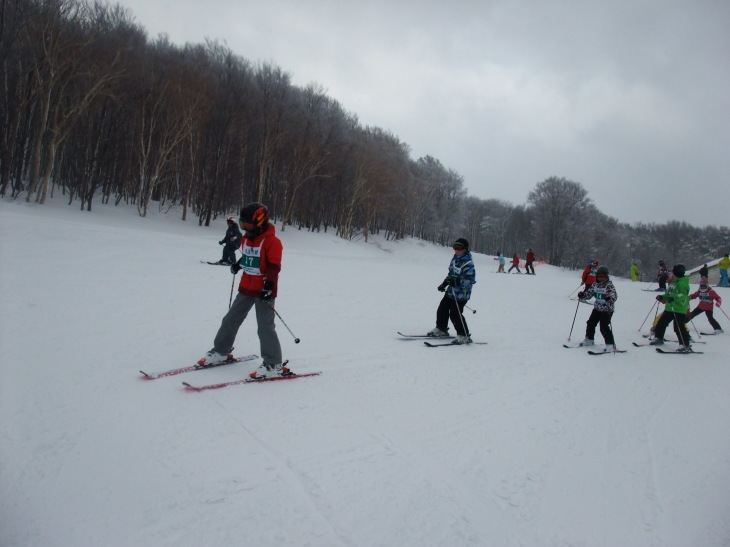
<point x="578" y="287"/>
<point x="230" y="300"/>
<point x="296" y="340"/>
<point x="723" y="311"/>
<point x="468" y="308"/>
<point x="574" y="316"/>
<point x="610" y="328"/>
<point x="695" y="328"/>
<point x="656" y="303"/>
<point x="461" y="316"/>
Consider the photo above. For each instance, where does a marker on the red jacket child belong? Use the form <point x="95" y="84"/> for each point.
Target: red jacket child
<point x="589" y="274"/>
<point x="706" y="296"/>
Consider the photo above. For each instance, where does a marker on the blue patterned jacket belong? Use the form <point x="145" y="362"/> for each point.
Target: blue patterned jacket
<point x="462" y="268"/>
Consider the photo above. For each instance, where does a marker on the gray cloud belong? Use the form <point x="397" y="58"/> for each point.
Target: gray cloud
<point x="631" y="99"/>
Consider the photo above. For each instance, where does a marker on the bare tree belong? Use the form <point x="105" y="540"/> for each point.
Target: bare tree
<point x="560" y="212"/>
<point x="71" y="69"/>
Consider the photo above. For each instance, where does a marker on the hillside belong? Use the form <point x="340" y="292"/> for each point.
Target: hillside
<point x="517" y="442"/>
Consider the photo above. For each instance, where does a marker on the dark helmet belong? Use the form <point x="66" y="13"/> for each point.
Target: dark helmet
<point x="679" y="270"/>
<point x="463" y="242"/>
<point x="602" y="270"/>
<point x="661" y="263"/>
<point x="255" y="213"/>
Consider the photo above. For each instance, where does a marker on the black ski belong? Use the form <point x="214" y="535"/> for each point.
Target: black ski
<point x="421" y="336"/>
<point x="660" y="350"/>
<point x="672" y="341"/>
<point x="709" y="333"/>
<point x="454" y="343"/>
<point x="606" y="352"/>
<point x="214" y="263"/>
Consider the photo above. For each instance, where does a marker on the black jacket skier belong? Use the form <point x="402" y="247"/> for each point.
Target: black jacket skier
<point x="231" y="242"/>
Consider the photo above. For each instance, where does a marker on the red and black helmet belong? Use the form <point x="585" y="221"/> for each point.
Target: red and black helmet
<point x="255" y="213"/>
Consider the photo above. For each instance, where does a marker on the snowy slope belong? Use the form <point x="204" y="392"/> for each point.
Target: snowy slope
<point x="518" y="442"/>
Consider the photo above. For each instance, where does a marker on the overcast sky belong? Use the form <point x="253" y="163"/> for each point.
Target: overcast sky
<point x="631" y="98"/>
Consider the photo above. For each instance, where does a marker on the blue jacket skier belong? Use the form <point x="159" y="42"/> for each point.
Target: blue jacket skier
<point x="457" y="292"/>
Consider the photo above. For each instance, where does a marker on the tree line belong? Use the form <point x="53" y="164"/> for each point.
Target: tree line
<point x="95" y="110"/>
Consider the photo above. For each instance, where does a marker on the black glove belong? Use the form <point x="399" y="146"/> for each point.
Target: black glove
<point x="235" y="268"/>
<point x="267" y="291"/>
<point x="660" y="298"/>
<point x="221" y="242"/>
<point x="442" y="287"/>
<point x="581" y="295"/>
<point x="451" y="281"/>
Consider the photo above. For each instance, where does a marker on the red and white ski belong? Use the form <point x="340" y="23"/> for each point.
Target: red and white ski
<point x="174" y="371"/>
<point x="189" y="387"/>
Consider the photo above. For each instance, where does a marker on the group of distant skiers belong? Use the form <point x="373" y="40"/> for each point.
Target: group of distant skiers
<point x="529" y="260"/>
<point x="676" y="299"/>
<point x="261" y="263"/>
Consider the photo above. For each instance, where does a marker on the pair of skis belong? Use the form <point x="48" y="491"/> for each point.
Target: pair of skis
<point x="231" y="361"/>
<point x="591" y="352"/>
<point x="664" y="351"/>
<point x="426" y="337"/>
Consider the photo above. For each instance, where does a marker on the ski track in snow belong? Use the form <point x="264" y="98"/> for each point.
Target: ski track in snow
<point x="519" y="442"/>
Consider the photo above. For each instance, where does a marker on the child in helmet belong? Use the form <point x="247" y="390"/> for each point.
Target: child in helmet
<point x="676" y="301"/>
<point x="603" y="307"/>
<point x="707" y="298"/>
<point x="231" y="242"/>
<point x="261" y="263"/>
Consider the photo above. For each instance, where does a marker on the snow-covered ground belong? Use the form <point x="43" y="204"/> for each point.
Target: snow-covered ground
<point x="516" y="443"/>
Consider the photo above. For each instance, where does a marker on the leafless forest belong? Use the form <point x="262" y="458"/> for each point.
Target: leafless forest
<point x="93" y="109"/>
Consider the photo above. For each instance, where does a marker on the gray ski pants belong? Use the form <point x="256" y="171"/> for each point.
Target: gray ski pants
<point x="269" y="340"/>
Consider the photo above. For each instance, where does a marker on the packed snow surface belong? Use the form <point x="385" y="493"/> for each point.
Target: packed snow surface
<point x="518" y="442"/>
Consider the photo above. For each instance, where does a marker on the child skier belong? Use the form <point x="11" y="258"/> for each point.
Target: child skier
<point x="676" y="301"/>
<point x="707" y="299"/>
<point x="589" y="273"/>
<point x="261" y="264"/>
<point x="231" y="242"/>
<point x="502" y="262"/>
<point x="603" y="307"/>
<point x="515" y="263"/>
<point x="457" y="288"/>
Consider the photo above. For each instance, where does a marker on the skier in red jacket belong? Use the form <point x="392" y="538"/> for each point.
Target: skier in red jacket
<point x="515" y="263"/>
<point x="589" y="274"/>
<point x="261" y="264"/>
<point x="707" y="297"/>
<point x="529" y="259"/>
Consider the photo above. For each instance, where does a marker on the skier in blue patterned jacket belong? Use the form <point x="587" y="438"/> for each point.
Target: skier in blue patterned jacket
<point x="457" y="291"/>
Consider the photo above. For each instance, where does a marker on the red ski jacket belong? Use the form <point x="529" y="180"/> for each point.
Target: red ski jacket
<point x="261" y="261"/>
